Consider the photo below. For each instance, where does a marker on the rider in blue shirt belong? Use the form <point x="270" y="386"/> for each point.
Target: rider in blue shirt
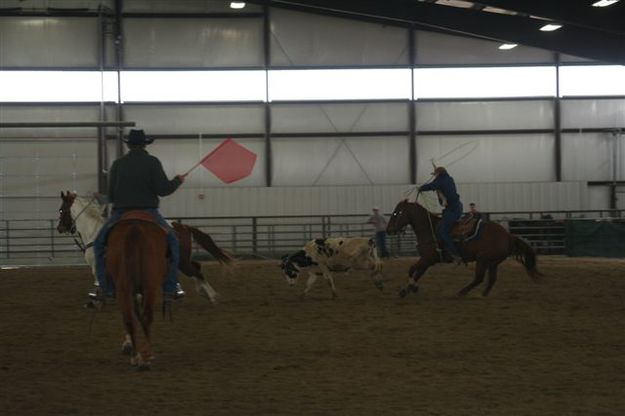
<point x="445" y="187"/>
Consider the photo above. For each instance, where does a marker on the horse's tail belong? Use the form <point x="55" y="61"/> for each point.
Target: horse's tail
<point x="126" y="285"/>
<point x="208" y="244"/>
<point x="526" y="255"/>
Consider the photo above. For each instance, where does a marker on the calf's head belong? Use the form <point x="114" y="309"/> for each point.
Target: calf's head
<point x="291" y="265"/>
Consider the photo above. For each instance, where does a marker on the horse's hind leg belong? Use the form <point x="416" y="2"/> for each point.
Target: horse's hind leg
<point x="492" y="278"/>
<point x="480" y="270"/>
<point x="145" y="355"/>
<point x="193" y="269"/>
<point x="201" y="285"/>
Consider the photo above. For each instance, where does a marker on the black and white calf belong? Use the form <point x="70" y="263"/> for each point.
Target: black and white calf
<point x="323" y="256"/>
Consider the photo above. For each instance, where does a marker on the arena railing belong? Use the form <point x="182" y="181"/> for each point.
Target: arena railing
<point x="37" y="242"/>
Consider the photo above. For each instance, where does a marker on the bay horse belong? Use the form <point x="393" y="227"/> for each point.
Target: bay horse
<point x="82" y="218"/>
<point x="492" y="246"/>
<point x="136" y="263"/>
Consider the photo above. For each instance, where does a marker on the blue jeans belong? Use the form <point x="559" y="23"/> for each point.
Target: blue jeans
<point x="99" y="248"/>
<point x="450" y="216"/>
<point x="380" y="241"/>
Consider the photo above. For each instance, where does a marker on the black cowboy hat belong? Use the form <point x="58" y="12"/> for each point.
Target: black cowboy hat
<point x="137" y="137"/>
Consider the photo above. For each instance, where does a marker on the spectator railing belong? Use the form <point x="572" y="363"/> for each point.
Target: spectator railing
<point x="37" y="242"/>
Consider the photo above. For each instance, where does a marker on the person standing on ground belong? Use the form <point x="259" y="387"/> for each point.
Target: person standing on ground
<point x="379" y="222"/>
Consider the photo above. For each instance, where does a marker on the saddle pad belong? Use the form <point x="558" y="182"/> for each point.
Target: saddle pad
<point x="137" y="215"/>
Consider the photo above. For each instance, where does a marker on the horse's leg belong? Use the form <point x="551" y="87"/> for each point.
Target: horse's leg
<point x="492" y="278"/>
<point x="480" y="270"/>
<point x="149" y="300"/>
<point x="127" y="345"/>
<point x="414" y="274"/>
<point x="130" y="344"/>
<point x="201" y="284"/>
<point x="193" y="269"/>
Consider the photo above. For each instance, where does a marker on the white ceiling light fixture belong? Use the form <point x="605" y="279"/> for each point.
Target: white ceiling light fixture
<point x="604" y="3"/>
<point x="507" y="46"/>
<point x="550" y="27"/>
<point x="498" y="10"/>
<point x="237" y="5"/>
<point x="455" y="3"/>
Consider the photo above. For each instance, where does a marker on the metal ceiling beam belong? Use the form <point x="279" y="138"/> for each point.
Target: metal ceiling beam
<point x="571" y="40"/>
<point x="576" y="12"/>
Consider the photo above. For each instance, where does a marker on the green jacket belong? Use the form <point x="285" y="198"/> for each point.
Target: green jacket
<point x="137" y="179"/>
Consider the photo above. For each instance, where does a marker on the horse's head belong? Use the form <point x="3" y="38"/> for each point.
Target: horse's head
<point x="291" y="264"/>
<point x="66" y="223"/>
<point x="400" y="217"/>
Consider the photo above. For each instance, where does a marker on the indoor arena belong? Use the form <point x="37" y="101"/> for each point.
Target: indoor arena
<point x="312" y="207"/>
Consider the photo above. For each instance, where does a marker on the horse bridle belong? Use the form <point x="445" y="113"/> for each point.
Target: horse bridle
<point x="65" y="210"/>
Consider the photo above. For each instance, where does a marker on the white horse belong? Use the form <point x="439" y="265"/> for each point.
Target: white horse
<point x="82" y="218"/>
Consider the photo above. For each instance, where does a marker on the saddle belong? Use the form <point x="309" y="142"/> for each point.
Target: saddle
<point x="466" y="228"/>
<point x="139" y="215"/>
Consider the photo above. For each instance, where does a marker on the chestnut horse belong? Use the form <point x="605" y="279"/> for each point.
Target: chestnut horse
<point x="136" y="262"/>
<point x="82" y="218"/>
<point x="493" y="245"/>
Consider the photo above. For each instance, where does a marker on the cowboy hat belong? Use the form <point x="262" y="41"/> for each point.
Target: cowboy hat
<point x="137" y="137"/>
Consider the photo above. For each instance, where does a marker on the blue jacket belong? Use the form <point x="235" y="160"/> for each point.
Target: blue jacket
<point x="446" y="185"/>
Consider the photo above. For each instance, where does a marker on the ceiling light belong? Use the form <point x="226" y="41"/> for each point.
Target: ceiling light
<point x="498" y="10"/>
<point x="550" y="27"/>
<point x="455" y="3"/>
<point x="604" y="3"/>
<point x="237" y="5"/>
<point x="507" y="46"/>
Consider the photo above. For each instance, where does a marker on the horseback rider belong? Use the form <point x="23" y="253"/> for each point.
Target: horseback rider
<point x="136" y="180"/>
<point x="448" y="197"/>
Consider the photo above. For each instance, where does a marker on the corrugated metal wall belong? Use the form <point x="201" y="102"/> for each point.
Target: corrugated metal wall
<point x="316" y="174"/>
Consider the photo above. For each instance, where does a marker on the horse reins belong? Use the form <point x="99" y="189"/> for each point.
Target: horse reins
<point x="81" y="244"/>
<point x="434" y="239"/>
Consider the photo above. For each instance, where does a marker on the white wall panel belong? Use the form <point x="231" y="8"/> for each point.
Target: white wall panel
<point x="48" y="41"/>
<point x="46" y="167"/>
<point x="358" y="199"/>
<point x="185" y="6"/>
<point x="525" y="196"/>
<point x="441" y="49"/>
<point x="195" y="119"/>
<point x="296" y="118"/>
<point x="178" y="156"/>
<point x="332" y="161"/>
<point x="180" y="43"/>
<point x="51" y="113"/>
<point x="484" y="115"/>
<point x="599" y="197"/>
<point x="301" y="39"/>
<point x="61" y="4"/>
<point x="507" y="158"/>
<point x="593" y="113"/>
<point x="590" y="157"/>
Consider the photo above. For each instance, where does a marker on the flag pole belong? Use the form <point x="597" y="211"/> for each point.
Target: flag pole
<point x="198" y="163"/>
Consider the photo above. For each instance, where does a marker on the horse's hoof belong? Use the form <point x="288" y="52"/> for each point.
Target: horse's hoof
<point x="144" y="367"/>
<point x="126" y="349"/>
<point x="408" y="289"/>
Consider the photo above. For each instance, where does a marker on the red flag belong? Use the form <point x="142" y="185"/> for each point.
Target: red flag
<point x="229" y="161"/>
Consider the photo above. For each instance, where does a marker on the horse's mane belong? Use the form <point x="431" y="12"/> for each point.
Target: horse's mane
<point x="92" y="209"/>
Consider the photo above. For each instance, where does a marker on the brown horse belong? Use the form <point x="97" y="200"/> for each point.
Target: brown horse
<point x="136" y="262"/>
<point x="493" y="245"/>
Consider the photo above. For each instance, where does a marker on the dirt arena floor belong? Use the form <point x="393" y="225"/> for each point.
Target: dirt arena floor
<point x="555" y="348"/>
